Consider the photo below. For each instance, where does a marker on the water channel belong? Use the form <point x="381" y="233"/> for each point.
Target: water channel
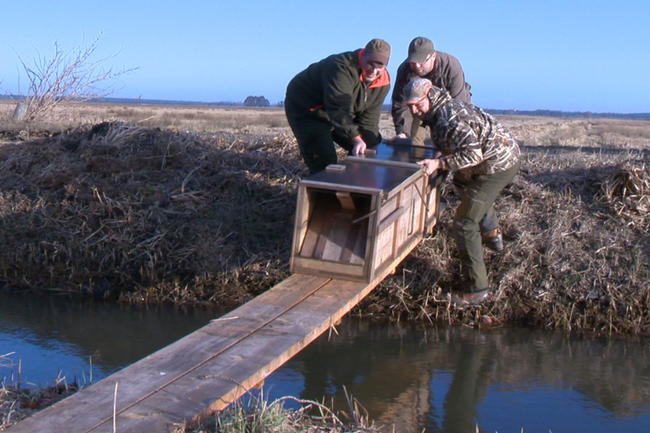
<point x="437" y="379"/>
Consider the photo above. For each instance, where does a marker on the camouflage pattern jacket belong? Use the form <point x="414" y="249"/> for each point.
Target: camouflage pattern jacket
<point x="447" y="73"/>
<point x="471" y="141"/>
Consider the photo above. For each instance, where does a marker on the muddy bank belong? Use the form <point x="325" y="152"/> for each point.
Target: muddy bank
<point x="145" y="215"/>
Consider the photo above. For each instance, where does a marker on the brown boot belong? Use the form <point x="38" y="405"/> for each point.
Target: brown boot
<point x="471" y="297"/>
<point x="493" y="240"/>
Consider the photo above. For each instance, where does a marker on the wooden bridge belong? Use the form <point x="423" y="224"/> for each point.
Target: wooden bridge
<point x="210" y="368"/>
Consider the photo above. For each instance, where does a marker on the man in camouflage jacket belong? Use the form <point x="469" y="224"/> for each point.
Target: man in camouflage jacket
<point x="483" y="157"/>
<point x="442" y="69"/>
<point x="339" y="100"/>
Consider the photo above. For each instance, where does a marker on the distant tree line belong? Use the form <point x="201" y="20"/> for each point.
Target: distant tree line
<point x="256" y="101"/>
<point x="557" y="113"/>
<point x="571" y="114"/>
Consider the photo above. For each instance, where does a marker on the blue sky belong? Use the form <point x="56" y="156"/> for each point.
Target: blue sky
<point x="553" y="54"/>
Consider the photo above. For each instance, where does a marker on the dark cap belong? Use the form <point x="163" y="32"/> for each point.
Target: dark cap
<point x="419" y="49"/>
<point x="416" y="89"/>
<point x="377" y="50"/>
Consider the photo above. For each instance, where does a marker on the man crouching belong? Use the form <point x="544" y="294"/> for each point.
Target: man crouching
<point x="483" y="157"/>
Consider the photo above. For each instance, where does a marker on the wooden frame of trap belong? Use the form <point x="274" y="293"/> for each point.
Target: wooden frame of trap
<point x="354" y="219"/>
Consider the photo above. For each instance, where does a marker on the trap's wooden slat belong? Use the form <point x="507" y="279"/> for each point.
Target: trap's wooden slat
<point x="337" y="236"/>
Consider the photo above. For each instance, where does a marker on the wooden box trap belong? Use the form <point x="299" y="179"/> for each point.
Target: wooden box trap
<point x="360" y="218"/>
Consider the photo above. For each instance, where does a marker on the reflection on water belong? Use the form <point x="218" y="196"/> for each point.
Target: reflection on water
<point x="451" y="379"/>
<point x="442" y="380"/>
<point x="52" y="335"/>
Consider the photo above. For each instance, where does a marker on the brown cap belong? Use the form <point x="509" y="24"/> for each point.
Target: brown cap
<point x="419" y="49"/>
<point x="377" y="50"/>
<point x="416" y="89"/>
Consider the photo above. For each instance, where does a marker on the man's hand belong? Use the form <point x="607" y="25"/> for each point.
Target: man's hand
<point x="400" y="138"/>
<point x="430" y="165"/>
<point x="358" y="146"/>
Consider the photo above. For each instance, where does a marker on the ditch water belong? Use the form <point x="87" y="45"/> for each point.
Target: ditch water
<point x="437" y="379"/>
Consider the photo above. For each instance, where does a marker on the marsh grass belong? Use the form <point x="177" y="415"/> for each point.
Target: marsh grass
<point x="19" y="400"/>
<point x="256" y="414"/>
<point x="17" y="403"/>
<point x="176" y="118"/>
<point x="152" y="214"/>
<point x="184" y="205"/>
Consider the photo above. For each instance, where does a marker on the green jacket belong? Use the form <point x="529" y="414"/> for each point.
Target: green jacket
<point x="333" y="90"/>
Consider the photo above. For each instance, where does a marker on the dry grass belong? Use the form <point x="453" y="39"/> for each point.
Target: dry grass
<point x="118" y="209"/>
<point x="260" y="416"/>
<point x="18" y="403"/>
<point x="577" y="223"/>
<point x="201" y="211"/>
<point x="173" y="118"/>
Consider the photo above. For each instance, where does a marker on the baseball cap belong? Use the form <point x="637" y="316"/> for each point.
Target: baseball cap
<point x="419" y="49"/>
<point x="377" y="50"/>
<point x="416" y="89"/>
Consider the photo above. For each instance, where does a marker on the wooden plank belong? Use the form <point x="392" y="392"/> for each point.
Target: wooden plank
<point x="345" y="199"/>
<point x="432" y="203"/>
<point x="323" y="213"/>
<point x="301" y="220"/>
<point x="216" y="364"/>
<point x="221" y="361"/>
<point x="340" y="225"/>
<point x="210" y="385"/>
<point x="358" y="256"/>
<point x="163" y="367"/>
<point x="337" y="187"/>
<point x="315" y="316"/>
<point x="384" y="246"/>
<point x="306" y="265"/>
<point x="348" y="250"/>
<point x="390" y="218"/>
<point x="387" y="206"/>
<point x="387" y="162"/>
<point x="404" y="224"/>
<point x="314" y="228"/>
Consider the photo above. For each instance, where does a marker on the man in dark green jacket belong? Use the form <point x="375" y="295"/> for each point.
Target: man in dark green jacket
<point x="442" y="69"/>
<point x="339" y="100"/>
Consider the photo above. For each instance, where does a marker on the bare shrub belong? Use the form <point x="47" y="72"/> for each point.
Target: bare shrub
<point x="63" y="77"/>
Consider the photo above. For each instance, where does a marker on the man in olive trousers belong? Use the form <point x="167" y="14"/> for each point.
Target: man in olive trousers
<point x="483" y="157"/>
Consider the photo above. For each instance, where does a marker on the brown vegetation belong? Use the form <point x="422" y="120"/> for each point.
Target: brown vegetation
<point x="196" y="205"/>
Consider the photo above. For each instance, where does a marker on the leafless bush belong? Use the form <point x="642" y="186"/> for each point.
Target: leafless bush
<point x="63" y="77"/>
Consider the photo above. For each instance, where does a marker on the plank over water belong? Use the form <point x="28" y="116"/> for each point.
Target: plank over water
<point x="213" y="366"/>
<point x="209" y="368"/>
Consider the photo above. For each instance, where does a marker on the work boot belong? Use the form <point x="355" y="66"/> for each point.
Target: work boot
<point x="493" y="240"/>
<point x="471" y="297"/>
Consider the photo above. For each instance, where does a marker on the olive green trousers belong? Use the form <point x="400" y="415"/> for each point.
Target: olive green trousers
<point x="418" y="132"/>
<point x="477" y="197"/>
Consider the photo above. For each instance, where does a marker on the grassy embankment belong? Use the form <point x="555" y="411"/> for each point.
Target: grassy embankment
<point x="195" y="205"/>
<point x="201" y="211"/>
